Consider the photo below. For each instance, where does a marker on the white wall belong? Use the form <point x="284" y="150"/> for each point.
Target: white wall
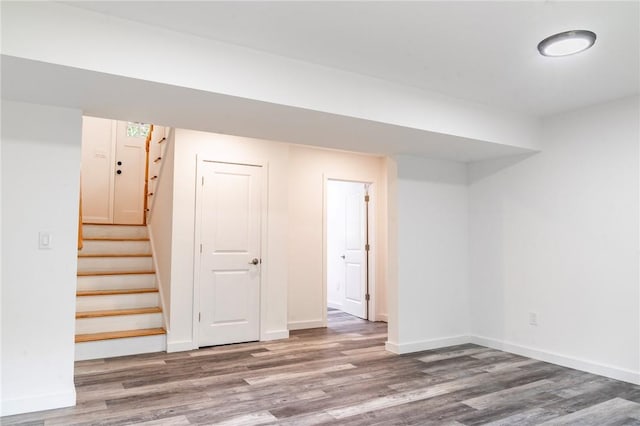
<point x="308" y="169"/>
<point x="391" y="260"/>
<point x="40" y="192"/>
<point x="188" y="146"/>
<point x="431" y="291"/>
<point x="1" y="271"/>
<point x="161" y="226"/>
<point x="557" y="234"/>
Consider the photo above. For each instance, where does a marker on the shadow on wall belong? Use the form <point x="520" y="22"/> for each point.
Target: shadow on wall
<point x="479" y="170"/>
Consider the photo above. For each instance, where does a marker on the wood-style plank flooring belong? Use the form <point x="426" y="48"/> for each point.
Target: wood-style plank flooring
<point x="339" y="375"/>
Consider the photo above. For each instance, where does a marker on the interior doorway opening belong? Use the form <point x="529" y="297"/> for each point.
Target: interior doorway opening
<point x="120" y="166"/>
<point x="348" y="247"/>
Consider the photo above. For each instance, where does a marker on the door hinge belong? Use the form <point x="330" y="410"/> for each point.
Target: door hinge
<point x="367" y="247"/>
<point x="200" y="248"/>
<point x="366" y="198"/>
<point x="367" y="297"/>
<point x="199" y="316"/>
<point x="202" y="180"/>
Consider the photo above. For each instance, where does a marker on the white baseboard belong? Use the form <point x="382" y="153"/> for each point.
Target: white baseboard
<point x="559" y="359"/>
<point x="120" y="347"/>
<point x="301" y="325"/>
<point x="425" y="345"/>
<point x="181" y="346"/>
<point x="612" y="372"/>
<point x="382" y="317"/>
<point x="274" y="335"/>
<point x="48" y="401"/>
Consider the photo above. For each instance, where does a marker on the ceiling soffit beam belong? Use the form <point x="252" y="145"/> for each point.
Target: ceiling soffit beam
<point x="64" y="35"/>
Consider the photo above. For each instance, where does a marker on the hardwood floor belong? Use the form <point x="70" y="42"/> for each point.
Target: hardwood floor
<point x="339" y="375"/>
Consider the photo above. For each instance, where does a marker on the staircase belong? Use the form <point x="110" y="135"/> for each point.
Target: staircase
<point x="117" y="305"/>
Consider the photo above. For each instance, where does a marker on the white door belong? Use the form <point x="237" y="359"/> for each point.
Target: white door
<point x="98" y="151"/>
<point x="355" y="267"/>
<point x="336" y="196"/>
<point x="346" y="255"/>
<point x="229" y="232"/>
<point x="130" y="164"/>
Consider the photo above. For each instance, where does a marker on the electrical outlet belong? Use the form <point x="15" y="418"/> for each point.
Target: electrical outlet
<point x="533" y="318"/>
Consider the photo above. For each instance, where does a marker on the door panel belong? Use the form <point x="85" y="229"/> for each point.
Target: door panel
<point x="232" y="222"/>
<point x="230" y="298"/>
<point x="355" y="274"/>
<point x="129" y="183"/>
<point x="354" y="289"/>
<point x="230" y="209"/>
<point x="98" y="148"/>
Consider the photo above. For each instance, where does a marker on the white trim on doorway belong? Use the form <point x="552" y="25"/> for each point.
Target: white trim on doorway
<point x="372" y="183"/>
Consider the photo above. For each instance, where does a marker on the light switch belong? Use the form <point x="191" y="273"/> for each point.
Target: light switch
<point x="44" y="240"/>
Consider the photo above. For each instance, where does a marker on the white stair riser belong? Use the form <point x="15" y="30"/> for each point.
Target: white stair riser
<point x="116" y="301"/>
<point x="115" y="282"/>
<point x="115" y="264"/>
<point x="115" y="247"/>
<point x="120" y="347"/>
<point x="114" y="231"/>
<point x="118" y="323"/>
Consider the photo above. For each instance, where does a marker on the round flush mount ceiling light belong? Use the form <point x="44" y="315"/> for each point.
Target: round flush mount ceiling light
<point x="567" y="43"/>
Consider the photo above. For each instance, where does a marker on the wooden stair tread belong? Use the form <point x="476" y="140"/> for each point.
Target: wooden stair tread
<point x="93" y="255"/>
<point x="113" y="224"/>
<point x="92" y="337"/>
<point x="116" y="291"/>
<point x="115" y="312"/>
<point x="115" y="239"/>
<point x="93" y="273"/>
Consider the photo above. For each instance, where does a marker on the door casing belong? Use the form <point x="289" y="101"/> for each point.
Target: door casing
<point x="371" y="271"/>
<point x="346" y="246"/>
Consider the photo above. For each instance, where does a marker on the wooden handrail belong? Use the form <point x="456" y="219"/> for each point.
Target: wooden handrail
<point x="80" y="243"/>
<point x="146" y="174"/>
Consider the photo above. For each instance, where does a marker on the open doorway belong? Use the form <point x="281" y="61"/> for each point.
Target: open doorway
<point x="118" y="303"/>
<point x="348" y="247"/>
<point x="120" y="162"/>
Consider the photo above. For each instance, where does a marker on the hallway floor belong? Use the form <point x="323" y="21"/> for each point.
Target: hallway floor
<point x="338" y="375"/>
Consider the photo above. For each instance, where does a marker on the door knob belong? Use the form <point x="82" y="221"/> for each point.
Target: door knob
<point x="119" y="172"/>
<point x="119" y="163"/>
<point x="254" y="261"/>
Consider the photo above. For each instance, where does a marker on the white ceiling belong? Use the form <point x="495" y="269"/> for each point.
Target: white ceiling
<point x="479" y="51"/>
